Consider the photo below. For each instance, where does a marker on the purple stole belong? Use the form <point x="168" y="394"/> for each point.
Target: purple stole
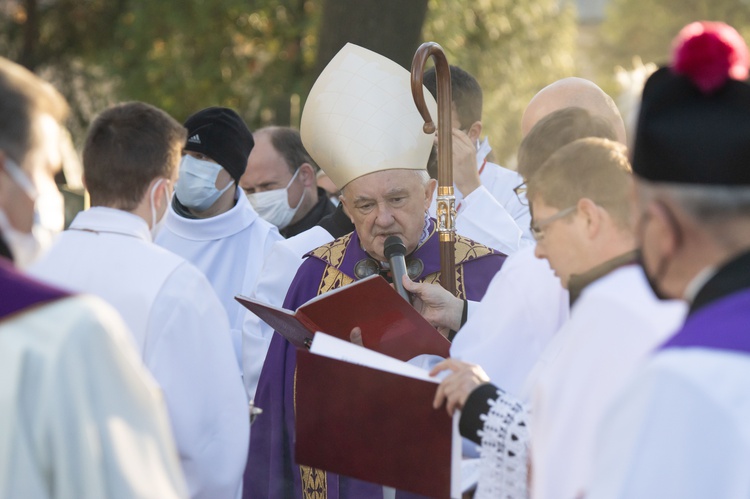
<point x="723" y="324"/>
<point x="19" y="292"/>
<point x="271" y="471"/>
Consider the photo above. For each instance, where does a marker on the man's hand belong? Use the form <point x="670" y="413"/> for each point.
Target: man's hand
<point x="457" y="386"/>
<point x="435" y="304"/>
<point x="356" y="337"/>
<point x="465" y="173"/>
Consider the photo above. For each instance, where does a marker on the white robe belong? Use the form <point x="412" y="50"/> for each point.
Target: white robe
<point x="278" y="272"/>
<point x="229" y="249"/>
<point x="524" y="306"/>
<point x="648" y="446"/>
<point x="178" y="326"/>
<point x="614" y="325"/>
<point x="80" y="417"/>
<point x="493" y="214"/>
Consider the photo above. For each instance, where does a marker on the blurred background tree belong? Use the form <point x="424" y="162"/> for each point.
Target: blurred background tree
<point x="261" y="56"/>
<point x="512" y="48"/>
<point x="645" y="28"/>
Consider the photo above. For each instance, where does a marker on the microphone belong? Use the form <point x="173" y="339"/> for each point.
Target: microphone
<point x="395" y="252"/>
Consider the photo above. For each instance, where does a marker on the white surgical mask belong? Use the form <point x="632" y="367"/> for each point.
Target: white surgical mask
<point x="273" y="206"/>
<point x="156" y="225"/>
<point x="49" y="218"/>
<point x="196" y="187"/>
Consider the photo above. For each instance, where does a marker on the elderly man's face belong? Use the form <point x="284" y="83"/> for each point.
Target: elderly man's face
<point x="386" y="203"/>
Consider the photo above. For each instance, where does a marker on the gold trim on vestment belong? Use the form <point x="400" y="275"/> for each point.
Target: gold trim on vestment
<point x="315" y="481"/>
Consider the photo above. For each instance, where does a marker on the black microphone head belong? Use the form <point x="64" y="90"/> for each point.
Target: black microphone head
<point x="393" y="246"/>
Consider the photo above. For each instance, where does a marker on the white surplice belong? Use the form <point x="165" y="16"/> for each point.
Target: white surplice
<point x="178" y="326"/>
<point x="681" y="429"/>
<point x="614" y="325"/>
<point x="493" y="214"/>
<point x="80" y="417"/>
<point x="229" y="249"/>
<point x="524" y="306"/>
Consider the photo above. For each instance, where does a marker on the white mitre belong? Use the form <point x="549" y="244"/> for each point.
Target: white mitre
<point x="360" y="117"/>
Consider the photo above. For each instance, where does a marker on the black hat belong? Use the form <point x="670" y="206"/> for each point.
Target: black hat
<point x="694" y="123"/>
<point x="220" y="134"/>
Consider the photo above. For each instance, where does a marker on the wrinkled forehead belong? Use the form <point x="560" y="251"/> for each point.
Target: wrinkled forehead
<point x="381" y="183"/>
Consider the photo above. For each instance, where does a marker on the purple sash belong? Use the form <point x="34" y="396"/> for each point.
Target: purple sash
<point x="721" y="325"/>
<point x="18" y="292"/>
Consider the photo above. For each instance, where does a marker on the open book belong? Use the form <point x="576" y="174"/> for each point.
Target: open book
<point x="389" y="324"/>
<point x="370" y="417"/>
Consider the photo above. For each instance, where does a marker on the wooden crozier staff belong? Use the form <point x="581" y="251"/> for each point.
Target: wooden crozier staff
<point x="446" y="200"/>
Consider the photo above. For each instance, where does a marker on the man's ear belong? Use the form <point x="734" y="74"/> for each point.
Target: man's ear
<point x="592" y="216"/>
<point x="430" y="192"/>
<point x="666" y="227"/>
<point x="307" y="172"/>
<point x="346" y="209"/>
<point x="475" y="131"/>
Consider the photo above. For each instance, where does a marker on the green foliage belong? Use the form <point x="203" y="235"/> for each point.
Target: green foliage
<point x="186" y="55"/>
<point x="512" y="48"/>
<point x="646" y="28"/>
<point x="256" y="55"/>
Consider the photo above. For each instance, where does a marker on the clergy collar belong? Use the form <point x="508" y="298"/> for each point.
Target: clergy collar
<point x="239" y="217"/>
<point x="184" y="212"/>
<point x="578" y="282"/>
<point x="734" y="276"/>
<point x="101" y="219"/>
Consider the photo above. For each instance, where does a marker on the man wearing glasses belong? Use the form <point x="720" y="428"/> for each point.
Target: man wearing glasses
<point x="581" y="220"/>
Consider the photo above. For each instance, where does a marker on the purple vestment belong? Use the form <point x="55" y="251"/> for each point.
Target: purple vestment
<point x="723" y="324"/>
<point x="18" y="292"/>
<point x="271" y="470"/>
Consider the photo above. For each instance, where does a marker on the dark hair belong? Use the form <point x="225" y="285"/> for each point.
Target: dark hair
<point x="465" y="93"/>
<point x="128" y="146"/>
<point x="556" y="130"/>
<point x="24" y="97"/>
<point x="591" y="168"/>
<point x="288" y="143"/>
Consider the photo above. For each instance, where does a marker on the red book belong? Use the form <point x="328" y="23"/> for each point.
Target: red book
<point x="375" y="426"/>
<point x="389" y="324"/>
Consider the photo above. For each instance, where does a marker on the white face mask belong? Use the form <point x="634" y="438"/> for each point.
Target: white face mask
<point x="273" y="206"/>
<point x="196" y="187"/>
<point x="49" y="218"/>
<point x="156" y="225"/>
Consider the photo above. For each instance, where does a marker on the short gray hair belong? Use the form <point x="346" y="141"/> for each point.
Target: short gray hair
<point x="423" y="176"/>
<point x="705" y="203"/>
<point x="722" y="211"/>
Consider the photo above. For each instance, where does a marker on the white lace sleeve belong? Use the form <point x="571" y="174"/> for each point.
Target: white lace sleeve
<point x="505" y="450"/>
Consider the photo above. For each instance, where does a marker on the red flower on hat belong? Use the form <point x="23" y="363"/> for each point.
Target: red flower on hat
<point x="709" y="53"/>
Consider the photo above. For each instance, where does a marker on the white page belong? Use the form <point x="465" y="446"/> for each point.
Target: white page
<point x="334" y="348"/>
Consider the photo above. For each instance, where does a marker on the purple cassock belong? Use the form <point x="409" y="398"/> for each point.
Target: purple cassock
<point x="19" y="293"/>
<point x="719" y="317"/>
<point x="271" y="468"/>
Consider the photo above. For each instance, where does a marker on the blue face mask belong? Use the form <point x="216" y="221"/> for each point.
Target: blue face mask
<point x="196" y="187"/>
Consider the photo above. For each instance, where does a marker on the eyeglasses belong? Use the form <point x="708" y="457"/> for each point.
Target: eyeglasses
<point x="520" y="192"/>
<point x="537" y="228"/>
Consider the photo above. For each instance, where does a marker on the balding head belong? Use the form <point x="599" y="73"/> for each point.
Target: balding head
<point x="573" y="92"/>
